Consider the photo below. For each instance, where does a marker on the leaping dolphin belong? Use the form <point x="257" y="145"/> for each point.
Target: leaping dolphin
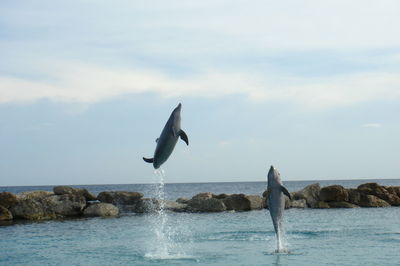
<point x="168" y="138"/>
<point x="276" y="202"/>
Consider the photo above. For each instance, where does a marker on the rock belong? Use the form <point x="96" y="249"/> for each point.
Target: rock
<point x="183" y="200"/>
<point x="203" y="195"/>
<point x="372" y="201"/>
<point x="31" y="209"/>
<point x="342" y="204"/>
<point x="174" y="206"/>
<point x="36" y="194"/>
<point x="394" y="190"/>
<point x="237" y="202"/>
<point x="65" y="205"/>
<point x="62" y="190"/>
<point x="120" y="197"/>
<point x="5" y="214"/>
<point x="7" y="199"/>
<point x="220" y="196"/>
<point x="334" y="193"/>
<point x="147" y="205"/>
<point x="322" y="205"/>
<point x="381" y="192"/>
<point x="101" y="210"/>
<point x="310" y="193"/>
<point x="300" y="204"/>
<point x="354" y="196"/>
<point x="256" y="202"/>
<point x="206" y="205"/>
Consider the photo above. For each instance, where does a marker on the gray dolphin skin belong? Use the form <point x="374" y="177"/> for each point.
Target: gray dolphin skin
<point x="168" y="139"/>
<point x="276" y="202"/>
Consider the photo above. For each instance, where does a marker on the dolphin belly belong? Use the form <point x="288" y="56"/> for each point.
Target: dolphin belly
<point x="164" y="149"/>
<point x="276" y="205"/>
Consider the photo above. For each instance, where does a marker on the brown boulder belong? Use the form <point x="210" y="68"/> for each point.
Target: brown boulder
<point x="237" y="202"/>
<point x="120" y="197"/>
<point x="7" y="199"/>
<point x="372" y="201"/>
<point x="206" y="205"/>
<point x="62" y="190"/>
<point x="101" y="210"/>
<point x="31" y="209"/>
<point x="65" y="205"/>
<point x="220" y="196"/>
<point x="5" y="214"/>
<point x="36" y="194"/>
<point x="147" y="205"/>
<point x="334" y="193"/>
<point x="310" y="193"/>
<point x="381" y="192"/>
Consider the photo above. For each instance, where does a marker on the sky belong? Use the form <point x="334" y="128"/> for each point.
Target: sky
<point x="311" y="87"/>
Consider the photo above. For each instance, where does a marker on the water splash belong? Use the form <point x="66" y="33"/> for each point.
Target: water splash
<point x="163" y="244"/>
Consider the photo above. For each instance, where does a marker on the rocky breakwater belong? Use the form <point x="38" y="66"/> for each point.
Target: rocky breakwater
<point x="65" y="202"/>
<point x="336" y="196"/>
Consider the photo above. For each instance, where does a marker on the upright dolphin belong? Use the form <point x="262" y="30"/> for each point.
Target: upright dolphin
<point x="168" y="138"/>
<point x="276" y="202"/>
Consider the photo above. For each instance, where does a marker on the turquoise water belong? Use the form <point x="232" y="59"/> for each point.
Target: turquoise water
<point x="362" y="236"/>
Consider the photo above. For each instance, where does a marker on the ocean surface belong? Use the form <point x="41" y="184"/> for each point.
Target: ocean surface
<point x="362" y="236"/>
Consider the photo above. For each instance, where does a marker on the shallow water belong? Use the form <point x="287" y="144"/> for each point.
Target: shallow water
<point x="313" y="237"/>
<point x="362" y="236"/>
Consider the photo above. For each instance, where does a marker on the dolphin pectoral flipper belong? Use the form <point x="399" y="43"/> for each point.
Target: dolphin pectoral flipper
<point x="157" y="139"/>
<point x="148" y="160"/>
<point x="286" y="192"/>
<point x="183" y="136"/>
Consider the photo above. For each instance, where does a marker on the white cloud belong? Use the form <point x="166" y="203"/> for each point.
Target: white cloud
<point x="372" y="125"/>
<point x="82" y="83"/>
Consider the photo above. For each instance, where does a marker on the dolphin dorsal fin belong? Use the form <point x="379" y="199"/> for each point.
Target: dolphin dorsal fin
<point x="183" y="136"/>
<point x="286" y="192"/>
<point x="148" y="160"/>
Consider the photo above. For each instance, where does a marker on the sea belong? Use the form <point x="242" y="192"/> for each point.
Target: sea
<point x="360" y="236"/>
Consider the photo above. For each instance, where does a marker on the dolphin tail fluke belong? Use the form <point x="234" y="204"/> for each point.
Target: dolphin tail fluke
<point x="286" y="192"/>
<point x="148" y="160"/>
<point x="183" y="136"/>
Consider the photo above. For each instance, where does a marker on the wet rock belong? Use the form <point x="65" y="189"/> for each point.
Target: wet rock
<point x="206" y="205"/>
<point x="372" y="201"/>
<point x="381" y="192"/>
<point x="120" y="197"/>
<point x="203" y="195"/>
<point x="333" y="193"/>
<point x="62" y="190"/>
<point x="322" y="205"/>
<point x="101" y="210"/>
<point x="7" y="199"/>
<point x="147" y="205"/>
<point x="5" y="214"/>
<point x="174" y="206"/>
<point x="36" y="194"/>
<point x="310" y="193"/>
<point x="342" y="204"/>
<point x="183" y="200"/>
